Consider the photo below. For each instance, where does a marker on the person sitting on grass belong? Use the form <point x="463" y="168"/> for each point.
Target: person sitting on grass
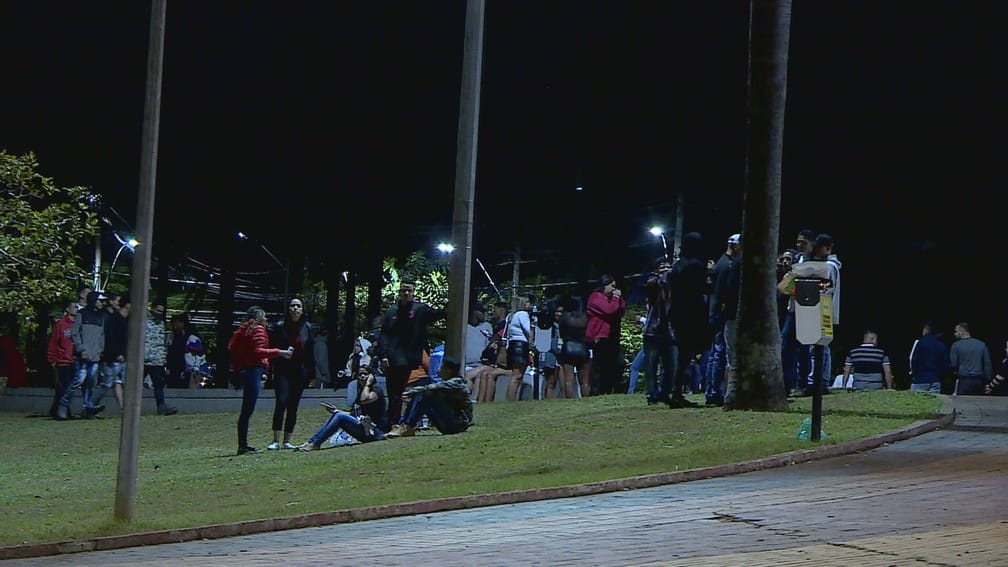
<point x="446" y="403"/>
<point x="370" y="426"/>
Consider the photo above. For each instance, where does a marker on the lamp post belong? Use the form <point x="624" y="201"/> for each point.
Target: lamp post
<point x="286" y="267"/>
<point x="660" y="232"/>
<point x="130" y="243"/>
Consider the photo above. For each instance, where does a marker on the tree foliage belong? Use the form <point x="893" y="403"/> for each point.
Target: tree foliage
<point x="41" y="226"/>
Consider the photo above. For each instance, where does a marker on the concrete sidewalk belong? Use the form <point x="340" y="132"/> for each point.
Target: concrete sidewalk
<point x="883" y="507"/>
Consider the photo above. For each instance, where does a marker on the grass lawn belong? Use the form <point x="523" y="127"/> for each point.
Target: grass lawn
<point x="58" y="478"/>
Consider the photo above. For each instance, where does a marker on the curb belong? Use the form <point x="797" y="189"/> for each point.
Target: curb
<point x="477" y="501"/>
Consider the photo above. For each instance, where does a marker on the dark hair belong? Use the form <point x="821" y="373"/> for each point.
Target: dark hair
<point x="823" y="240"/>
<point x="605" y="280"/>
<point x="451" y="361"/>
<point x="662" y="260"/>
<point x="807" y="234"/>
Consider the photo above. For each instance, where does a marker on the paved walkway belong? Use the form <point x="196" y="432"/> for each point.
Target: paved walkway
<point x="936" y="499"/>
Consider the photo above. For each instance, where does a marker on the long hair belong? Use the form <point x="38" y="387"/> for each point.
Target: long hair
<point x="255" y="316"/>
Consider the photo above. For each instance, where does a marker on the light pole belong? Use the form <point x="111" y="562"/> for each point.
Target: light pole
<point x="130" y="243"/>
<point x="286" y="267"/>
<point x="660" y="232"/>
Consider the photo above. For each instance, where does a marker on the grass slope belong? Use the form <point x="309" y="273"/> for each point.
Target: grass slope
<point x="59" y="478"/>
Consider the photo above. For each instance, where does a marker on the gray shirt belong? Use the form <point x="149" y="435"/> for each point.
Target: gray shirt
<point x="970" y="357"/>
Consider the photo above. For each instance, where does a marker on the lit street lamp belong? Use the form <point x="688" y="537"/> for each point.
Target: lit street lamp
<point x="130" y="243"/>
<point x="448" y="248"/>
<point x="660" y="232"/>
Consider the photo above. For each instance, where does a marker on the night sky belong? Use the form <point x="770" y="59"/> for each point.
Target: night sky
<point x="317" y="126"/>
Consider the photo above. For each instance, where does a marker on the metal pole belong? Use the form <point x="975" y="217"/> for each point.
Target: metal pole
<point x="680" y="212"/>
<point x="129" y="437"/>
<point x="514" y="277"/>
<point x="465" y="181"/>
<point x="489" y="279"/>
<point x="817" y="389"/>
<point x="96" y="281"/>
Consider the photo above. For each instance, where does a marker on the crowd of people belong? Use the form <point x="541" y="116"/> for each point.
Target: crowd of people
<point x="689" y="334"/>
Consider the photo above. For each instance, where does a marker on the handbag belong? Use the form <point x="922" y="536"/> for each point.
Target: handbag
<point x="574" y="350"/>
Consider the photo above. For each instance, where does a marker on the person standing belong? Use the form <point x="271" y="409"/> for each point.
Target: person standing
<point x="928" y="362"/>
<point x="113" y="368"/>
<point x="605" y="308"/>
<point x="291" y="375"/>
<point x="250" y="355"/>
<point x="659" y="338"/>
<point x="60" y="355"/>
<point x="722" y="308"/>
<point x="519" y="336"/>
<point x="688" y="286"/>
<point x="89" y="344"/>
<point x="156" y="354"/>
<point x="996" y="387"/>
<point x="796" y="358"/>
<point x="402" y="341"/>
<point x="971" y="362"/>
<point x="869" y="365"/>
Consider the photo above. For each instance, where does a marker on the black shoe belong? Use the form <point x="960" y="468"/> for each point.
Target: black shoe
<point x="246" y="450"/>
<point x="687" y="404"/>
<point x="97" y="409"/>
<point x="167" y="410"/>
<point x="714" y="402"/>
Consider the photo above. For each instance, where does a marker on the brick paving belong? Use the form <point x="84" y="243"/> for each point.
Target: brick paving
<point x="936" y="499"/>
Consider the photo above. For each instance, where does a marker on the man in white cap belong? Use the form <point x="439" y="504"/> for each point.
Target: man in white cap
<point x="717" y="360"/>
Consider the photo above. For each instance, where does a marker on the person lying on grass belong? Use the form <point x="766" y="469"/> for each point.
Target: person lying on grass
<point x="369" y="427"/>
<point x="448" y="404"/>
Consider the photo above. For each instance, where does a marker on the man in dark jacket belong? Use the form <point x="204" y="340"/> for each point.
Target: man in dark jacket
<point x="447" y="403"/>
<point x="401" y="343"/>
<point x="658" y="335"/>
<point x="928" y="362"/>
<point x="688" y="287"/>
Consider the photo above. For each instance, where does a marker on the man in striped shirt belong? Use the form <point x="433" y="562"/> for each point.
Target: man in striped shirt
<point x="869" y="364"/>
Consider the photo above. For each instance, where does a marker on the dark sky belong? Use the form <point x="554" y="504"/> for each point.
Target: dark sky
<point x="304" y="123"/>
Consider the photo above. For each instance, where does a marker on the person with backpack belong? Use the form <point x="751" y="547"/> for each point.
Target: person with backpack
<point x="250" y="355"/>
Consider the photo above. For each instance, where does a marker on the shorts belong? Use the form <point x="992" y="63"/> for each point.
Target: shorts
<point x="517" y="354"/>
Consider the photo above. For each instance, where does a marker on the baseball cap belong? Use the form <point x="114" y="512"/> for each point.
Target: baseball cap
<point x="735" y="239"/>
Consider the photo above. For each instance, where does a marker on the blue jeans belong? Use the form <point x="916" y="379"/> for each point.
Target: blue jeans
<point x="796" y="358"/>
<point x="85" y="375"/>
<point x="661" y="348"/>
<point x="250" y="379"/>
<point x="441" y="415"/>
<point x="714" y="386"/>
<point x="348" y="423"/>
<point x="635" y="368"/>
<point x="929" y="388"/>
<point x="112" y="373"/>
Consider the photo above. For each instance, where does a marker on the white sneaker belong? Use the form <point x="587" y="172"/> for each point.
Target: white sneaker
<point x="289" y="446"/>
<point x="273" y="446"/>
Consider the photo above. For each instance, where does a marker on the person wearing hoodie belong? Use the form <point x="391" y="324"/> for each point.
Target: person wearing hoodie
<point x="605" y="309"/>
<point x="358" y="359"/>
<point x="60" y="354"/>
<point x="156" y="355"/>
<point x="89" y="344"/>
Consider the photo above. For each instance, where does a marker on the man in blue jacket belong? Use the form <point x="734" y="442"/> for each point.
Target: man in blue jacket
<point x="928" y="362"/>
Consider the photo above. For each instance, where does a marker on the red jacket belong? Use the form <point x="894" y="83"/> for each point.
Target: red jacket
<point x="604" y="314"/>
<point x="60" y="351"/>
<point x="249" y="347"/>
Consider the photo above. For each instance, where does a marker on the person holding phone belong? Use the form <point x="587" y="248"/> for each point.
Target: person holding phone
<point x="370" y="426"/>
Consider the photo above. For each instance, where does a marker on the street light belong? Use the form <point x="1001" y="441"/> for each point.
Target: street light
<point x="660" y="232"/>
<point x="448" y="248"/>
<point x="130" y="243"/>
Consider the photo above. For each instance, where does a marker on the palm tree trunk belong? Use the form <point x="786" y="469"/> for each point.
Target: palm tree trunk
<point x="757" y="383"/>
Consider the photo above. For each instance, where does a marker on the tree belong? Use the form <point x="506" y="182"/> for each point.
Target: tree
<point x="41" y="226"/>
<point x="758" y="381"/>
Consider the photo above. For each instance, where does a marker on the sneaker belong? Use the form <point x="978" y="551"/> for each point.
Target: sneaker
<point x="246" y="450"/>
<point x="401" y="430"/>
<point x="274" y="446"/>
<point x="289" y="446"/>
<point x="167" y="410"/>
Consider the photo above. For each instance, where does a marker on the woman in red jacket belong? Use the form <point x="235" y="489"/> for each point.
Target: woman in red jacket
<point x="605" y="310"/>
<point x="250" y="354"/>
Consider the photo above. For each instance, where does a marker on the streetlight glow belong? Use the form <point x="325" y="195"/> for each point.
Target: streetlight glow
<point x="445" y="247"/>
<point x="656" y="230"/>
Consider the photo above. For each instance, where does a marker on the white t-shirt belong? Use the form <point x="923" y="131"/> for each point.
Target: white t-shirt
<point x="519" y="327"/>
